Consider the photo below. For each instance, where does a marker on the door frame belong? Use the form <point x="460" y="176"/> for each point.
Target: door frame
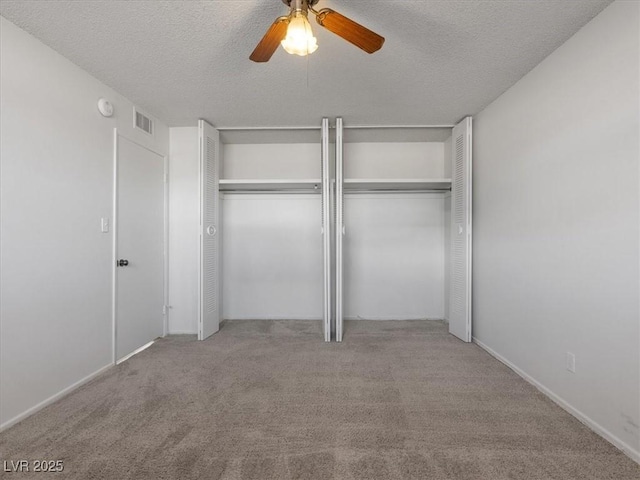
<point x="326" y="227"/>
<point x="339" y="230"/>
<point x="114" y="245"/>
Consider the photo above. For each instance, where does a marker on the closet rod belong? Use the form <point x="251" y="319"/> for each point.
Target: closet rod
<point x="397" y="190"/>
<point x="291" y="191"/>
<point x="313" y="127"/>
<point x="396" y="126"/>
<point x="241" y="129"/>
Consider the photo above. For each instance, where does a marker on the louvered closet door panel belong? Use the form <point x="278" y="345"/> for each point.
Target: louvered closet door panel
<point x="326" y="230"/>
<point x="209" y="235"/>
<point x="460" y="288"/>
<point x="339" y="229"/>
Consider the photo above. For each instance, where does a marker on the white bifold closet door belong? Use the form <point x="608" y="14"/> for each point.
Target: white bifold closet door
<point x="210" y="278"/>
<point x="326" y="230"/>
<point x="460" y="275"/>
<point x="339" y="229"/>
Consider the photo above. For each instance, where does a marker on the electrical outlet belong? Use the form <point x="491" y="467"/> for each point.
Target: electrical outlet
<point x="571" y="362"/>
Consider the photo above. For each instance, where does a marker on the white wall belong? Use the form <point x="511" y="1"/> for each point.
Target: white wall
<point x="184" y="221"/>
<point x="56" y="184"/>
<point x="556" y="217"/>
<point x="271" y="161"/>
<point x="394" y="265"/>
<point x="394" y="256"/>
<point x="448" y="167"/>
<point x="272" y="256"/>
<point x="394" y="160"/>
<point x="271" y="268"/>
<point x="447" y="254"/>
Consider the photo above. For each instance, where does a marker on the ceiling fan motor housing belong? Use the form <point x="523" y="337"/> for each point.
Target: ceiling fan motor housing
<point x="304" y="3"/>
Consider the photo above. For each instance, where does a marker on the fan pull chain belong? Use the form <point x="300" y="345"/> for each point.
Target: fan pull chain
<point x="307" y="72"/>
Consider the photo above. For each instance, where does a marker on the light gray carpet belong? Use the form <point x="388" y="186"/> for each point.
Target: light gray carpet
<point x="269" y="400"/>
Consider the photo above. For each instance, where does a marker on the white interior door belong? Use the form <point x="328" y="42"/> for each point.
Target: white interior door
<point x="140" y="207"/>
<point x="326" y="230"/>
<point x="339" y="229"/>
<point x="210" y="278"/>
<point x="460" y="288"/>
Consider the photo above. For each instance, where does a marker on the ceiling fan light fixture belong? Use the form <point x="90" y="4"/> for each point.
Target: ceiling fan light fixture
<point x="299" y="39"/>
<point x="293" y="32"/>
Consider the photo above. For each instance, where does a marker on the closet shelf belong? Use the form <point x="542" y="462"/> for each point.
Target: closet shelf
<point x="421" y="184"/>
<point x="231" y="185"/>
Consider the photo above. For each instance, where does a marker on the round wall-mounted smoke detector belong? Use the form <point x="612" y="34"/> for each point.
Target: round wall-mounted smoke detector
<point x="105" y="107"/>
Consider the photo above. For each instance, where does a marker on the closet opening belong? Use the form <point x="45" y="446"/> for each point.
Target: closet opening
<point x="336" y="225"/>
<point x="273" y="214"/>
<point x="394" y="255"/>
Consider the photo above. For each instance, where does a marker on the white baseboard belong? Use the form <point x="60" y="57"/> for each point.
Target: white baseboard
<point x="53" y="398"/>
<point x="596" y="427"/>
<point x="135" y="352"/>
<point x="388" y="319"/>
<point x="270" y="317"/>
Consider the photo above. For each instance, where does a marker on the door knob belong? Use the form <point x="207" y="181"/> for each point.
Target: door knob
<point x="123" y="263"/>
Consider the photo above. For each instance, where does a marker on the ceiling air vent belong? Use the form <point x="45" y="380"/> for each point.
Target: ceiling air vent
<point x="142" y="122"/>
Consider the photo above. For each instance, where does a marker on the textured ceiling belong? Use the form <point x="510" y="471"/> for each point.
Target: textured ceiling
<point x="183" y="60"/>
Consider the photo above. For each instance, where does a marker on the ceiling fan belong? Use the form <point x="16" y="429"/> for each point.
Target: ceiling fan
<point x="294" y="33"/>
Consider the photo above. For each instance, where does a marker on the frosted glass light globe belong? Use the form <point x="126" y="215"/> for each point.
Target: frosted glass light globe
<point x="299" y="39"/>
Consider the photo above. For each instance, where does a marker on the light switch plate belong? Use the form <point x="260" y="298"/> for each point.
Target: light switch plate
<point x="104" y="225"/>
<point x="571" y="362"/>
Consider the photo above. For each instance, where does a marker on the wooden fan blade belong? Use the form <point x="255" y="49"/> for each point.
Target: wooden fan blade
<point x="269" y="43"/>
<point x="349" y="30"/>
